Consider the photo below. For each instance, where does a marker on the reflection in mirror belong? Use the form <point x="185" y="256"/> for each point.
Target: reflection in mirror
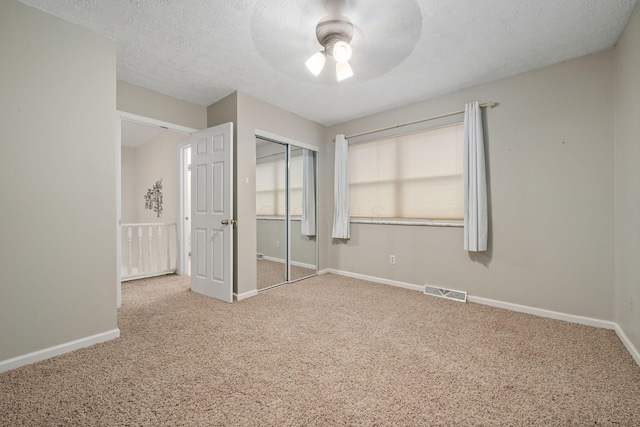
<point x="302" y="209"/>
<point x="271" y="174"/>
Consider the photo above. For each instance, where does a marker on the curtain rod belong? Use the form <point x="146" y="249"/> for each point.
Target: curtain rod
<point x="453" y="113"/>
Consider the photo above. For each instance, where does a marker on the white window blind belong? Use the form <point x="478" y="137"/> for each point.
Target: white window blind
<point x="270" y="185"/>
<point x="415" y="176"/>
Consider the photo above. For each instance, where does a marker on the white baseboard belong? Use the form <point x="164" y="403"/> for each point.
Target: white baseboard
<point x="146" y="275"/>
<point x="296" y="263"/>
<point x="303" y="265"/>
<point x="245" y="295"/>
<point x="572" y="318"/>
<point x="57" y="350"/>
<point x="373" y="279"/>
<point x="628" y="344"/>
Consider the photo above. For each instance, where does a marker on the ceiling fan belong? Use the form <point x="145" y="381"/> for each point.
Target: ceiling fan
<point x="381" y="34"/>
<point x="334" y="33"/>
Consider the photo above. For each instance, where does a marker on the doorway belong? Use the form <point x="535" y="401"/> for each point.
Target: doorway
<point x="139" y="218"/>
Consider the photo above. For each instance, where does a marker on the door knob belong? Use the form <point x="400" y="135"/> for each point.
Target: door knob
<point x="224" y="222"/>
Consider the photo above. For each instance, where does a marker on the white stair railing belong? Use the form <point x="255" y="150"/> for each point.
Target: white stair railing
<point x="166" y="246"/>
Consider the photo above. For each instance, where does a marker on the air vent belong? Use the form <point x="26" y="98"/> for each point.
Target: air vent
<point x="260" y="256"/>
<point x="446" y="293"/>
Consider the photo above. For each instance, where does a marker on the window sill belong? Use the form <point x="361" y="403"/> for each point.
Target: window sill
<point x="382" y="221"/>
<point x="277" y="218"/>
<point x="419" y="222"/>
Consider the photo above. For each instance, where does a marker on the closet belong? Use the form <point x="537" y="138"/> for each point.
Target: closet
<point x="286" y="201"/>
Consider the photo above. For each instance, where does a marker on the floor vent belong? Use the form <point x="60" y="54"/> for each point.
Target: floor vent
<point x="260" y="256"/>
<point x="446" y="293"/>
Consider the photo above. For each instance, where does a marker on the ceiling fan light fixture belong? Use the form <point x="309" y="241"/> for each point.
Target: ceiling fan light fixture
<point x="342" y="52"/>
<point x="334" y="33"/>
<point x="343" y="71"/>
<point x="315" y="63"/>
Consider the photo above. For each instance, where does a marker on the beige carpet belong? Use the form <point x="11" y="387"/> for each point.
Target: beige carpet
<point x="328" y="351"/>
<point x="271" y="273"/>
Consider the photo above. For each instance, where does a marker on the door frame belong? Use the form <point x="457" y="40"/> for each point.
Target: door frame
<point x="182" y="192"/>
<point x="120" y="116"/>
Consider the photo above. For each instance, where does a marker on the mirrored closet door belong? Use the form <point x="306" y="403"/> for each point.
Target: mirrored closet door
<point x="286" y="192"/>
<point x="271" y="206"/>
<point x="302" y="213"/>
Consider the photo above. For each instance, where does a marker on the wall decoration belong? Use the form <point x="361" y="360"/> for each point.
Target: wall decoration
<point x="153" y="198"/>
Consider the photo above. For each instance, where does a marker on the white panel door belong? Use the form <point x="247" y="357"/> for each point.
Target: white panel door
<point x="212" y="212"/>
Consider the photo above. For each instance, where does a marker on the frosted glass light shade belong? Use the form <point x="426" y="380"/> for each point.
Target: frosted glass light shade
<point x="342" y="52"/>
<point x="343" y="71"/>
<point x="316" y="63"/>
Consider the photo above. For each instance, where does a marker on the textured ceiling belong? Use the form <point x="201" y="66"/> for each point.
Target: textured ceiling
<point x="404" y="50"/>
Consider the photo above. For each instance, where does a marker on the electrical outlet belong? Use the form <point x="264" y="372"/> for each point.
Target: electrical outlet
<point x="632" y="304"/>
<point x="392" y="259"/>
<point x="277" y="243"/>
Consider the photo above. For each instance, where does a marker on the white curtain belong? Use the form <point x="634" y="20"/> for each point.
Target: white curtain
<point x="341" y="229"/>
<point x="475" y="181"/>
<point x="308" y="226"/>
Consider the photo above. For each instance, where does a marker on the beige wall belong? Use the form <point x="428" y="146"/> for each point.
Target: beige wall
<point x="252" y="114"/>
<point x="144" y="102"/>
<point x="159" y="159"/>
<point x="224" y="111"/>
<point x="57" y="149"/>
<point x="550" y="161"/>
<point x="627" y="179"/>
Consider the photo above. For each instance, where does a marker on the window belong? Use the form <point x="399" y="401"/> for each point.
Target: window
<point x="271" y="187"/>
<point x="415" y="176"/>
